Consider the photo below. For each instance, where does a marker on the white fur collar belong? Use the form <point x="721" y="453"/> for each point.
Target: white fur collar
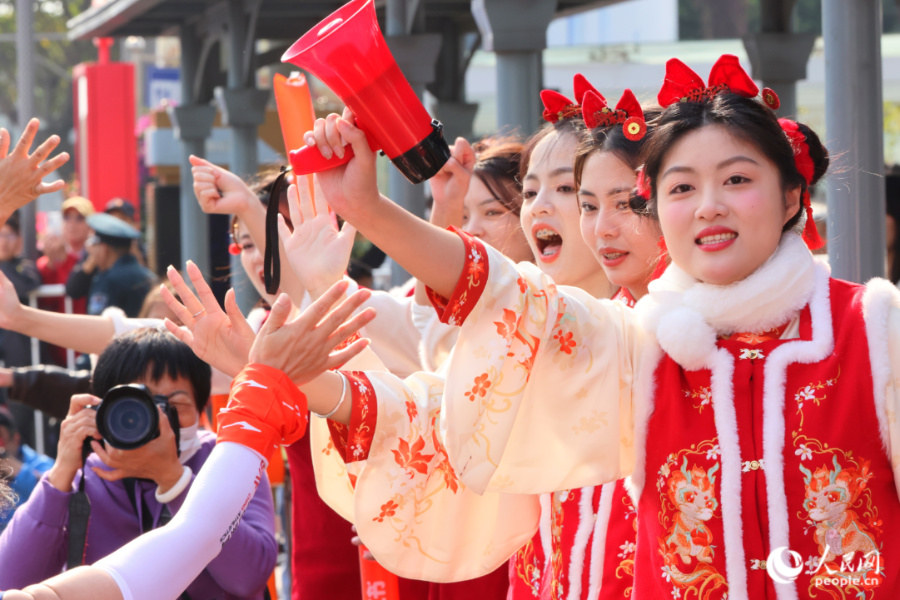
<point x="695" y="313"/>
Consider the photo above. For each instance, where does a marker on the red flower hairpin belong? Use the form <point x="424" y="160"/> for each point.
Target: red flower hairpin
<point x="628" y="112"/>
<point x="806" y="168"/>
<point x="642" y="187"/>
<point x="557" y="107"/>
<point x="684" y="85"/>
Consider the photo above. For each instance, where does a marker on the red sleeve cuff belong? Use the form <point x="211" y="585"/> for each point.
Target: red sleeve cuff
<point x="470" y="286"/>
<point x="265" y="410"/>
<point x="354" y="441"/>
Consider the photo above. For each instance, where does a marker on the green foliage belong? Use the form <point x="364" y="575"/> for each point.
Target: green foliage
<point x="53" y="61"/>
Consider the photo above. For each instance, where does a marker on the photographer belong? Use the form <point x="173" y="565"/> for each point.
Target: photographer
<point x="34" y="546"/>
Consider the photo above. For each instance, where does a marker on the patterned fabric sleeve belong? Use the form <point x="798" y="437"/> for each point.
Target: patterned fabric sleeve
<point x="539" y="387"/>
<point x="410" y="509"/>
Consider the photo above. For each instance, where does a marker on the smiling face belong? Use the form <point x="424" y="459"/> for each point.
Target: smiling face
<point x="624" y="243"/>
<point x="721" y="212"/>
<point x="485" y="217"/>
<point x="550" y="217"/>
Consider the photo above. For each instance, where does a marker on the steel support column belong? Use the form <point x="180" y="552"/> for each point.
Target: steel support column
<point x="516" y="31"/>
<point x="243" y="110"/>
<point x="416" y="55"/>
<point x="25" y="106"/>
<point x="854" y="133"/>
<point x="192" y="124"/>
<point x="779" y="60"/>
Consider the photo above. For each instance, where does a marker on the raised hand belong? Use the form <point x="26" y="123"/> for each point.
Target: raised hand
<point x="450" y="185"/>
<point x="220" y="191"/>
<point x="317" y="252"/>
<point x="222" y="339"/>
<point x="351" y="189"/>
<point x="22" y="174"/>
<point x="305" y="347"/>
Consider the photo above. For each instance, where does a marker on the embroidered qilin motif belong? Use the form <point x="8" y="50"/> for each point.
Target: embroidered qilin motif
<point x="842" y="519"/>
<point x="687" y="487"/>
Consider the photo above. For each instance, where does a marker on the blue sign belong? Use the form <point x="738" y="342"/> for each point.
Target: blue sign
<point x="163" y="85"/>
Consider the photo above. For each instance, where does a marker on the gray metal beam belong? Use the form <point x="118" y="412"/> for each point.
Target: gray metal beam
<point x="854" y="125"/>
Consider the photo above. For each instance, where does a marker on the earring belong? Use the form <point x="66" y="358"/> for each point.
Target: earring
<point x="234" y="249"/>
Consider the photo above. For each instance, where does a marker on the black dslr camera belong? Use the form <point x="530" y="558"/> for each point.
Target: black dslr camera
<point x="127" y="418"/>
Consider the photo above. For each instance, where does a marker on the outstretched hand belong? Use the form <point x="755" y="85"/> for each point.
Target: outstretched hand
<point x="351" y="189"/>
<point x="219" y="191"/>
<point x="22" y="174"/>
<point x="10" y="306"/>
<point x="317" y="252"/>
<point x="220" y="338"/>
<point x="305" y="347"/>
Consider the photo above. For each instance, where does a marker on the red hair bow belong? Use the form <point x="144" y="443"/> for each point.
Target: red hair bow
<point x="557" y="107"/>
<point x="684" y="85"/>
<point x="807" y="169"/>
<point x="628" y="112"/>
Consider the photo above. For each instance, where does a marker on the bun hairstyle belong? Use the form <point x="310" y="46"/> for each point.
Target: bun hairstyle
<point x="497" y="165"/>
<point x="746" y="119"/>
<point x="612" y="139"/>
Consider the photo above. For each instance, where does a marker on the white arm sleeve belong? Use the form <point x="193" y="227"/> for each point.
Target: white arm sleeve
<point x="160" y="564"/>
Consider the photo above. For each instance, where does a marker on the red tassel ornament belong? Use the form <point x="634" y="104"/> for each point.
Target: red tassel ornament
<point x="806" y="168"/>
<point x="662" y="262"/>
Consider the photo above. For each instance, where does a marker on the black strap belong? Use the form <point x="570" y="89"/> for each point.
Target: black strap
<point x="272" y="258"/>
<point x="79" y="515"/>
<point x="80" y="512"/>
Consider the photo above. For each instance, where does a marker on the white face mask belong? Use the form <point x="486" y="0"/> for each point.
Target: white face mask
<point x="188" y="442"/>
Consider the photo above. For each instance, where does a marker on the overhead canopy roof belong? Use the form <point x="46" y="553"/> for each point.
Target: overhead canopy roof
<point x="278" y="19"/>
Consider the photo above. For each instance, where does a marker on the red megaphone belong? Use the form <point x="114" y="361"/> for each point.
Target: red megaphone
<point x="348" y="53"/>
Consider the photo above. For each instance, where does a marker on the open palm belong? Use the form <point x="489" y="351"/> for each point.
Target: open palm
<point x="220" y="338"/>
<point x="317" y="252"/>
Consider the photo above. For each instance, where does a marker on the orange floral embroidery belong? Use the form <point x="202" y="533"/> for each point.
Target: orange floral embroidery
<point x="507" y="328"/>
<point x="411" y="410"/>
<point x="411" y="457"/>
<point x="482" y="383"/>
<point x="523" y="285"/>
<point x="443" y="467"/>
<point x="566" y="343"/>
<point x="388" y="509"/>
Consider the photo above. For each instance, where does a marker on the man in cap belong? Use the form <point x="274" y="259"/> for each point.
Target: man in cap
<point x="124" y="211"/>
<point x="62" y="252"/>
<point x="111" y="275"/>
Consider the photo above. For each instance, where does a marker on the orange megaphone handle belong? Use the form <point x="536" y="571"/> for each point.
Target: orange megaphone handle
<point x="377" y="582"/>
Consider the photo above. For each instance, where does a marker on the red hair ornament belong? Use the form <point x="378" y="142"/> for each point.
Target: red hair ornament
<point x="807" y="169"/>
<point x="557" y="107"/>
<point x="582" y="86"/>
<point x="683" y="85"/>
<point x="627" y="112"/>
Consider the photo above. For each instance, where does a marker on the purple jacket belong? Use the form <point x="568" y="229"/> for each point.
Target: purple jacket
<point x="33" y="546"/>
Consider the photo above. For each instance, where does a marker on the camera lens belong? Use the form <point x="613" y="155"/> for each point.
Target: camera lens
<point x="129" y="420"/>
<point x="127" y="417"/>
